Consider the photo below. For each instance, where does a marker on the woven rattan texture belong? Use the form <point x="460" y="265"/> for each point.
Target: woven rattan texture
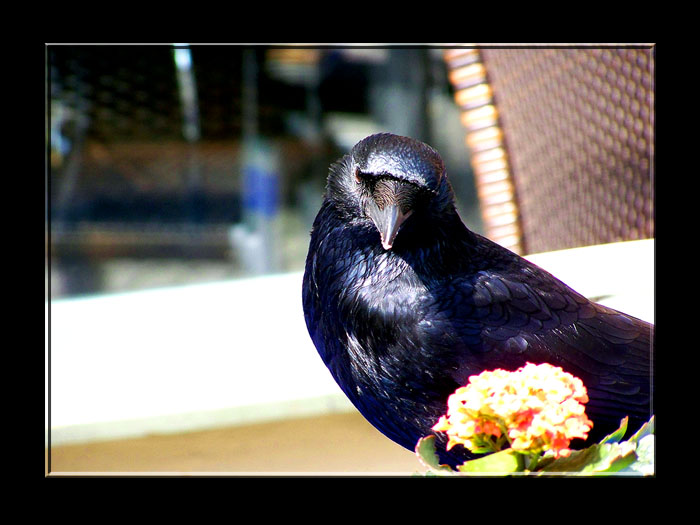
<point x="577" y="126"/>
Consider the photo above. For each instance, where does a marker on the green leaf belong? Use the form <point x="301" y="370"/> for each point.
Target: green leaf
<point x="503" y="462"/>
<point x="425" y="450"/>
<point x="634" y="456"/>
<point x="644" y="439"/>
<point x="646" y="429"/>
<point x="604" y="458"/>
<point x="616" y="436"/>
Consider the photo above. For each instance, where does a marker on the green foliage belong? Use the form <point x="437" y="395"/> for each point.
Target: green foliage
<point x="611" y="456"/>
<point x="425" y="449"/>
<point x="503" y="461"/>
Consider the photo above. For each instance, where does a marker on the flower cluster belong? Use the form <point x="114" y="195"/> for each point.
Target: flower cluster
<point x="535" y="409"/>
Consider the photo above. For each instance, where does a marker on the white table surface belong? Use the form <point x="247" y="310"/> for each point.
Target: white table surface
<point x="237" y="352"/>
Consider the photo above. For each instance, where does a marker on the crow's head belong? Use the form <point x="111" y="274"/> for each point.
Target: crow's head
<point x="386" y="179"/>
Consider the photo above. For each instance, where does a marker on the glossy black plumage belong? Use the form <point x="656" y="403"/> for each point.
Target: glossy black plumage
<point x="403" y="317"/>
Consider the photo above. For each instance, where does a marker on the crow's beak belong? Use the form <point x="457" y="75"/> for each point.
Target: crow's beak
<point x="388" y="220"/>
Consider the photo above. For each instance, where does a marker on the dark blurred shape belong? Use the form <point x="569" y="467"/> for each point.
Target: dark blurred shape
<point x="561" y="142"/>
<point x="344" y="81"/>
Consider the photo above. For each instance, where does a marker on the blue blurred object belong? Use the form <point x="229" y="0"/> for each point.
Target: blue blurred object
<point x="256" y="241"/>
<point x="261" y="187"/>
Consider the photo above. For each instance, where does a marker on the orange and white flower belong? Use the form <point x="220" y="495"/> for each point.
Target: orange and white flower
<point x="536" y="408"/>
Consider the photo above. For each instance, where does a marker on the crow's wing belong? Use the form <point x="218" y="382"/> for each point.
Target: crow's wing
<point x="529" y="316"/>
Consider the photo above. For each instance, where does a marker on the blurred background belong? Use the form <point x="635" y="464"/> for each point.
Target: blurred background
<point x="180" y="164"/>
<point x="183" y="183"/>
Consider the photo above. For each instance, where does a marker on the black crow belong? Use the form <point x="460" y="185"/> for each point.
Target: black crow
<point x="404" y="303"/>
